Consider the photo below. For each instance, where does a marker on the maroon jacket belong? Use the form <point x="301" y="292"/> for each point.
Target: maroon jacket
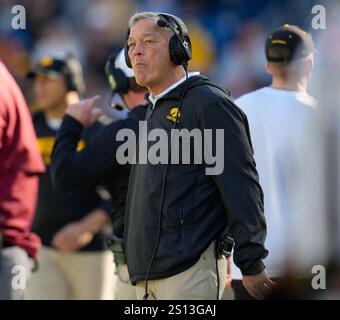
<point x="20" y="162"/>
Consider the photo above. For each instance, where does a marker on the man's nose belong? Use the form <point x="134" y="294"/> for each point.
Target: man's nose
<point x="138" y="50"/>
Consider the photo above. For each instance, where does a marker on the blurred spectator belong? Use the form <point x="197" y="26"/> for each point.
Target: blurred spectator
<point x="279" y="116"/>
<point x="74" y="262"/>
<point x="71" y="169"/>
<point x="203" y="57"/>
<point x="323" y="186"/>
<point x="241" y="66"/>
<point x="54" y="41"/>
<point x="20" y="162"/>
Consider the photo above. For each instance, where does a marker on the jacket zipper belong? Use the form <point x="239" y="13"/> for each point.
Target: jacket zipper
<point x="182" y="229"/>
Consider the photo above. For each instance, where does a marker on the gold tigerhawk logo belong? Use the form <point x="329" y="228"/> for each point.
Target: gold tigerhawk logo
<point x="45" y="146"/>
<point x="279" y="41"/>
<point x="46" y="62"/>
<point x="174" y="114"/>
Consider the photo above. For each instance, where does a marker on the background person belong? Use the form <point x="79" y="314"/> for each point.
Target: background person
<point x="278" y="116"/>
<point x="20" y="163"/>
<point x="72" y="169"/>
<point x="74" y="262"/>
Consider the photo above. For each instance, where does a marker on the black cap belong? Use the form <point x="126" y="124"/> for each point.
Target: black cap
<point x="293" y="42"/>
<point x="69" y="67"/>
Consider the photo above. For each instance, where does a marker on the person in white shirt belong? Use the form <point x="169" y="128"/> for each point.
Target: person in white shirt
<point x="278" y="116"/>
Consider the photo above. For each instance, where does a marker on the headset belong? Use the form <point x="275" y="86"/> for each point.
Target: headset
<point x="117" y="79"/>
<point x="179" y="43"/>
<point x="73" y="74"/>
<point x="119" y="82"/>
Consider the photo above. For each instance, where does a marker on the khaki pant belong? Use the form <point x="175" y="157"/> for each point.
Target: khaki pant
<point x="124" y="289"/>
<point x="199" y="282"/>
<point x="69" y="276"/>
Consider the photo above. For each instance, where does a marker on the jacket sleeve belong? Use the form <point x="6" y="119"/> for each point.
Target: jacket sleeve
<point x="71" y="169"/>
<point x="238" y="184"/>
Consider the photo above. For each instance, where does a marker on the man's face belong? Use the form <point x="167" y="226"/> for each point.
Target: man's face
<point x="50" y="90"/>
<point x="149" y="53"/>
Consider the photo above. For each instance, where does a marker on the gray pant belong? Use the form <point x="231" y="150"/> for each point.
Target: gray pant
<point x="15" y="271"/>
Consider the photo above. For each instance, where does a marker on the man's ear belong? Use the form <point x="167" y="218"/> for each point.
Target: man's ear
<point x="268" y="68"/>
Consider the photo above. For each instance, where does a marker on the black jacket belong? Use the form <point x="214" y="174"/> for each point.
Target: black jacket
<point x="197" y="207"/>
<point x="96" y="162"/>
<point x="56" y="208"/>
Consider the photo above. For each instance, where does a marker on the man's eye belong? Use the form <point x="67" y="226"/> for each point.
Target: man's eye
<point x="131" y="45"/>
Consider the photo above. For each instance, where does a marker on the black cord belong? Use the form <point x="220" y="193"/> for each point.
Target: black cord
<point x="146" y="294"/>
<point x="218" y="279"/>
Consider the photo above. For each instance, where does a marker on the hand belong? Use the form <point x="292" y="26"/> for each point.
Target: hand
<point x="229" y="276"/>
<point x="72" y="237"/>
<point x="259" y="285"/>
<point x="84" y="111"/>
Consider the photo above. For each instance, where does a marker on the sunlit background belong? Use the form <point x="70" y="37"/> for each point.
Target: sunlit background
<point x="227" y="35"/>
<point x="228" y="45"/>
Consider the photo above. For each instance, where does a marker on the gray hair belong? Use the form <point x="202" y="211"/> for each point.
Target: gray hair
<point x="143" y="16"/>
<point x="147" y="15"/>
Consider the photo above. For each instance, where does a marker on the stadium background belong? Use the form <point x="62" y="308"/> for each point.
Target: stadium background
<point x="228" y="44"/>
<point x="227" y="35"/>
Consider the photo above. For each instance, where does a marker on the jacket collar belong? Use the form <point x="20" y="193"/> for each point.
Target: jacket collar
<point x="153" y="99"/>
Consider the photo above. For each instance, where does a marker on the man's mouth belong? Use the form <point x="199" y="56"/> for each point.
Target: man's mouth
<point x="140" y="64"/>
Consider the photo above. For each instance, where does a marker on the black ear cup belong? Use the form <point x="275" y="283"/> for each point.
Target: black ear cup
<point x="175" y="50"/>
<point x="126" y="50"/>
<point x="70" y="83"/>
<point x="127" y="58"/>
<point x="74" y="75"/>
<point x="178" y="53"/>
<point x="118" y="81"/>
<point x="179" y="44"/>
<point x="116" y="77"/>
